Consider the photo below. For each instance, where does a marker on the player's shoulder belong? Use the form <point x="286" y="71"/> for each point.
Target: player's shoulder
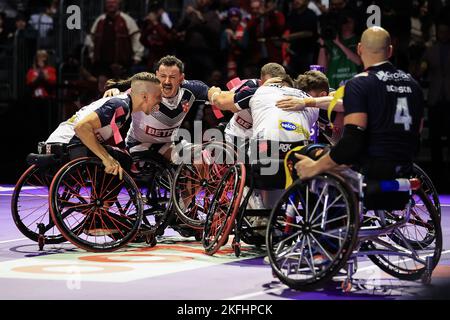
<point x="251" y="83"/>
<point x="193" y="84"/>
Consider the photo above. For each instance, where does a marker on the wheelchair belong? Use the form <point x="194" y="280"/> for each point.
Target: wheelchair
<point x="196" y="180"/>
<point x="322" y="225"/>
<point x="231" y="211"/>
<point x="29" y="203"/>
<point x="99" y="212"/>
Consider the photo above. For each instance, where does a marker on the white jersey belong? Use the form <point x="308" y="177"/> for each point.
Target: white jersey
<point x="241" y="123"/>
<point x="112" y="112"/>
<point x="160" y="125"/>
<point x="273" y="123"/>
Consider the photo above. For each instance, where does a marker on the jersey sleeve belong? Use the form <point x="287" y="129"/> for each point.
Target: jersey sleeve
<point x="109" y="109"/>
<point x="242" y="98"/>
<point x="355" y="96"/>
<point x="198" y="88"/>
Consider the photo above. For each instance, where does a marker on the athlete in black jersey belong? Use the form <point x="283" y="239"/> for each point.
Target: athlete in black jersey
<point x="383" y="117"/>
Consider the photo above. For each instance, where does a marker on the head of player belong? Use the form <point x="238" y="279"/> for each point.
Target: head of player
<point x="170" y="72"/>
<point x="314" y="83"/>
<point x="375" y="46"/>
<point x="271" y="70"/>
<point x="145" y="92"/>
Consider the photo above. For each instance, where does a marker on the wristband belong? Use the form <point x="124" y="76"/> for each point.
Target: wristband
<point x="310" y="102"/>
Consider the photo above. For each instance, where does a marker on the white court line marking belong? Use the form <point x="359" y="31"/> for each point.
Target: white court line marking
<point x="255" y="294"/>
<point x="13" y="240"/>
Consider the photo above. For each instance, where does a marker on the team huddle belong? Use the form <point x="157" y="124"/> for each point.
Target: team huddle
<point x="315" y="206"/>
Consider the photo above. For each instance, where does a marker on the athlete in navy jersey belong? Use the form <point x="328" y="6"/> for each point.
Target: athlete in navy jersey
<point x="393" y="102"/>
<point x="383" y="117"/>
<point x="100" y="121"/>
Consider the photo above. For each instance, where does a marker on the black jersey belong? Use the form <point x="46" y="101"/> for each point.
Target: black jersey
<point x="394" y="104"/>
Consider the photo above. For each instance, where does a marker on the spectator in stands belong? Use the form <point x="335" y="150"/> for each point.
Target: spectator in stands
<point x="302" y="35"/>
<point x="113" y="42"/>
<point x="437" y="65"/>
<point x="25" y="37"/>
<point x="265" y="29"/>
<point x="41" y="77"/>
<point x="156" y="36"/>
<point x="199" y="28"/>
<point x="43" y="23"/>
<point x="339" y="55"/>
<point x="233" y="43"/>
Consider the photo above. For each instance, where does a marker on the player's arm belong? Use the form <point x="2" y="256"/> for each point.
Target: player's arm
<point x="352" y="143"/>
<point x="298" y="104"/>
<point x="85" y="130"/>
<point x="224" y="100"/>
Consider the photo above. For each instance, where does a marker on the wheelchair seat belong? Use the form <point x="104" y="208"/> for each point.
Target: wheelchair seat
<point x="43" y="160"/>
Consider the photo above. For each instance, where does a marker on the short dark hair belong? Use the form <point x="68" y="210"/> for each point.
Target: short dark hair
<point x="286" y="79"/>
<point x="170" y="61"/>
<point x="312" y="80"/>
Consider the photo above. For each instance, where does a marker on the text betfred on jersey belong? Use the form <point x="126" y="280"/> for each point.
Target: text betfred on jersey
<point x="160" y="125"/>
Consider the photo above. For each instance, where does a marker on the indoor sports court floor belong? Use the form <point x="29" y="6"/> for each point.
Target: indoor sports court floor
<point x="175" y="269"/>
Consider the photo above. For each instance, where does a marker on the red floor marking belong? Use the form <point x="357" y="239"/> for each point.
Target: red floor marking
<point x="71" y="269"/>
<point x="441" y="272"/>
<point x="113" y="258"/>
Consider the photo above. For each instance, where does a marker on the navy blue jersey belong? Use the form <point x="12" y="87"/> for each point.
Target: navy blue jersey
<point x="242" y="98"/>
<point x="112" y="112"/>
<point x="393" y="102"/>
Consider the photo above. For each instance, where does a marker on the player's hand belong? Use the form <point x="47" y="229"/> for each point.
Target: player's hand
<point x="306" y="167"/>
<point x="111" y="93"/>
<point x="291" y="104"/>
<point x="112" y="166"/>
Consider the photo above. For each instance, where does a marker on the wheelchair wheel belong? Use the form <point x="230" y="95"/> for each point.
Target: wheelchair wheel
<point x="29" y="205"/>
<point x="93" y="210"/>
<point x="224" y="208"/>
<point x="155" y="185"/>
<point x="418" y="237"/>
<point x="195" y="182"/>
<point x="312" y="231"/>
<point x="428" y="187"/>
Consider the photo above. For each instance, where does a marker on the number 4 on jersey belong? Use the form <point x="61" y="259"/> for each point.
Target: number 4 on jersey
<point x="402" y="113"/>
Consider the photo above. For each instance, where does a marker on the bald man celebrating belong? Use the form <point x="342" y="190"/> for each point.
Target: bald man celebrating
<point x="383" y="110"/>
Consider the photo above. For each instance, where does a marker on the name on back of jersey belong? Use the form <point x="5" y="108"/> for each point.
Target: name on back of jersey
<point x="398" y="89"/>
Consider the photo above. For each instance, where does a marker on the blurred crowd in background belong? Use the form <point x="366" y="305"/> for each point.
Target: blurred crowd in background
<point x="56" y="70"/>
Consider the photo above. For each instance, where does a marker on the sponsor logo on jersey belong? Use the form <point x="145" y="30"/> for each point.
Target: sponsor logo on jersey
<point x="245" y="124"/>
<point x="293" y="127"/>
<point x="159" y="132"/>
<point x="285" y="147"/>
<point x="389" y="76"/>
<point x="288" y="126"/>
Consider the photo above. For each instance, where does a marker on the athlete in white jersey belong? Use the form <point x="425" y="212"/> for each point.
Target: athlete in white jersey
<point x="154" y="131"/>
<point x="273" y="123"/>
